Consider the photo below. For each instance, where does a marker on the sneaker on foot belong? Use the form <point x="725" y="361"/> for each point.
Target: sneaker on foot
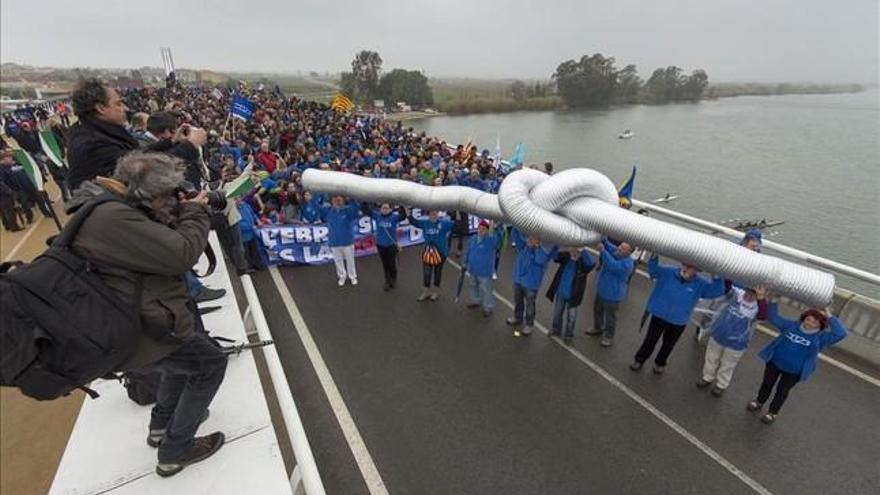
<point x="606" y="342"/>
<point x="527" y="330"/>
<point x="434" y="296"/>
<point x="422" y="297"/>
<point x="658" y="370"/>
<point x="340" y="282"/>
<point x="703" y="383"/>
<point x="554" y="333"/>
<point x="386" y="287"/>
<point x="635" y="366"/>
<point x="154" y="438"/>
<point x="768" y="418"/>
<point x="717" y="392"/>
<point x="754" y="406"/>
<point x="517" y="333"/>
<point x="568" y="341"/>
<point x="354" y="281"/>
<point x="592" y="331"/>
<point x="208" y="294"/>
<point x="513" y="321"/>
<point x="202" y="448"/>
<point x="494" y="276"/>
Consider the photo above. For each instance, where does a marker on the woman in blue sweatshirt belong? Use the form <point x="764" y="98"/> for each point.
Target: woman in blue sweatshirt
<point x="615" y="268"/>
<point x="385" y="221"/>
<point x="792" y="356"/>
<point x="528" y="273"/>
<point x="567" y="290"/>
<point x="676" y="291"/>
<point x="436" y="232"/>
<point x="340" y="218"/>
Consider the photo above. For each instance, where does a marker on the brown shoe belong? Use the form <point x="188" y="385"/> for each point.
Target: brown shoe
<point x="202" y="448"/>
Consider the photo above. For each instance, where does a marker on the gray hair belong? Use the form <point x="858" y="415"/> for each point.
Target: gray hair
<point x="149" y="175"/>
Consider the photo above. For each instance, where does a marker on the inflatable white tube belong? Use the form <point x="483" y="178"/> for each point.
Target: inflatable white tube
<point x="577" y="207"/>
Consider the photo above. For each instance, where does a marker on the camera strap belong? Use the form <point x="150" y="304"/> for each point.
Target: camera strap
<point x="212" y="262"/>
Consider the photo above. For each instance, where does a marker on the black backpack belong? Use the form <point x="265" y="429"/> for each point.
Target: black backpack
<point x="61" y="327"/>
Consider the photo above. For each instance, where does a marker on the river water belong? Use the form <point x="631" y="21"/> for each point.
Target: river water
<point x="810" y="160"/>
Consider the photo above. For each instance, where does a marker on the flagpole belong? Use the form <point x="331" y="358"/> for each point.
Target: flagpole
<point x="51" y="208"/>
<point x="229" y="116"/>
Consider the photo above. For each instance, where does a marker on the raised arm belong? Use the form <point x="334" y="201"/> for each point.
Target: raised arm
<point x="835" y="334"/>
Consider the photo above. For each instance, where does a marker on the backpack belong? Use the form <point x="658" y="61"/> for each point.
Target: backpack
<point x="61" y="327"/>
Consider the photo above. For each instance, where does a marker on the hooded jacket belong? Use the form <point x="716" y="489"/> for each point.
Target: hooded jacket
<point x="93" y="147"/>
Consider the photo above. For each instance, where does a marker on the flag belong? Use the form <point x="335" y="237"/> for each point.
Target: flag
<point x="242" y="185"/>
<point x="51" y="148"/>
<point x="497" y="157"/>
<point x="241" y="107"/>
<point x="625" y="193"/>
<point x="217" y="94"/>
<point x="341" y="103"/>
<point x="519" y="156"/>
<point x="30" y="167"/>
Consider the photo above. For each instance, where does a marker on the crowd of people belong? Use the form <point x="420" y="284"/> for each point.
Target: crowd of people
<point x="124" y="143"/>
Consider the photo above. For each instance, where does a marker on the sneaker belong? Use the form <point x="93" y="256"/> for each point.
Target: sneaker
<point x="202" y="448"/>
<point x="422" y="297"/>
<point x="517" y="333"/>
<point x="208" y="294"/>
<point x="340" y="282"/>
<point x="754" y="406"/>
<point x="554" y="333"/>
<point x="472" y="305"/>
<point x="592" y="331"/>
<point x="768" y="418"/>
<point x="568" y="341"/>
<point x="154" y="438"/>
<point x="513" y="321"/>
<point x="494" y="276"/>
<point x="434" y="296"/>
<point x="606" y="342"/>
<point x="635" y="366"/>
<point x="487" y="313"/>
<point x="527" y="330"/>
<point x="717" y="392"/>
<point x="354" y="281"/>
<point x="658" y="370"/>
<point x="386" y="287"/>
<point x="703" y="383"/>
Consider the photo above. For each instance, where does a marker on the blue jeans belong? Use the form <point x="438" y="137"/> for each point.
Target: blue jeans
<point x="193" y="284"/>
<point x="524" y="302"/>
<point x="563" y="309"/>
<point x="481" y="292"/>
<point x="191" y="376"/>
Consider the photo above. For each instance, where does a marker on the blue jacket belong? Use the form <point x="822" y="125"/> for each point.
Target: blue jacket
<point x="311" y="211"/>
<point x="734" y="325"/>
<point x="531" y="262"/>
<point x="613" y="274"/>
<point x="795" y="351"/>
<point x="436" y="233"/>
<point x="248" y="223"/>
<point x="340" y="223"/>
<point x="480" y="257"/>
<point x="385" y="227"/>
<point x="673" y="298"/>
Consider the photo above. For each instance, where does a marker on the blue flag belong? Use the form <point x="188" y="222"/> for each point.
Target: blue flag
<point x="519" y="156"/>
<point x="241" y="107"/>
<point x="625" y="193"/>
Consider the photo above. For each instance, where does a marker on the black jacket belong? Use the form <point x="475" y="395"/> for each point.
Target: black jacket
<point x="580" y="279"/>
<point x="93" y="146"/>
<point x="188" y="153"/>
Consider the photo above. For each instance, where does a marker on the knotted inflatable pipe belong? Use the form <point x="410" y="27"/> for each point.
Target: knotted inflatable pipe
<point x="576" y="207"/>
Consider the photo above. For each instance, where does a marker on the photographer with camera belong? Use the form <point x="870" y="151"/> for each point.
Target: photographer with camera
<point x="143" y="246"/>
<point x="182" y="141"/>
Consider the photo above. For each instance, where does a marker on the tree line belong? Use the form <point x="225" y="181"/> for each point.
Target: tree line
<point x="366" y="83"/>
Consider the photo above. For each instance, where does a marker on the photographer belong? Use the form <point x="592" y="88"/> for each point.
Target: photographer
<point x="149" y="241"/>
<point x="182" y="141"/>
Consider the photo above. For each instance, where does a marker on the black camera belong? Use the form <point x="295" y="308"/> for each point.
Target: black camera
<point x="216" y="199"/>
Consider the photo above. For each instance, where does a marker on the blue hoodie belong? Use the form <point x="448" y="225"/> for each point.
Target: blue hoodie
<point x="673" y="298"/>
<point x="248" y="223"/>
<point x="436" y="233"/>
<point x="480" y="257"/>
<point x="613" y="274"/>
<point x="385" y="227"/>
<point x="734" y="325"/>
<point x="531" y="262"/>
<point x="311" y="211"/>
<point x="340" y="223"/>
<point x="795" y="351"/>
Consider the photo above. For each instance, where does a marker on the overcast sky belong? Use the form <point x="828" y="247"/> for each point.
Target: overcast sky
<point x="733" y="40"/>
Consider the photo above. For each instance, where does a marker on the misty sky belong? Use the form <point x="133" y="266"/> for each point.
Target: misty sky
<point x="733" y="40"/>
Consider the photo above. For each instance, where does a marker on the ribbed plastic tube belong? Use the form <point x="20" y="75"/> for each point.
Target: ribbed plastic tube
<point x="577" y="207"/>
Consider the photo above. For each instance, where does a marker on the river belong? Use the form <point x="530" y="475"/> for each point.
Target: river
<point x="810" y="160"/>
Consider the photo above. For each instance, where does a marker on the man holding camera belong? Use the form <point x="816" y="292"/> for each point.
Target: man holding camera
<point x="182" y="141"/>
<point x="143" y="245"/>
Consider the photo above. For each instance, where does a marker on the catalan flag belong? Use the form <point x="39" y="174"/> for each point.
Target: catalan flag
<point x="341" y="103"/>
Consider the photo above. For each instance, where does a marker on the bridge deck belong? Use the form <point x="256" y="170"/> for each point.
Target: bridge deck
<point x="447" y="401"/>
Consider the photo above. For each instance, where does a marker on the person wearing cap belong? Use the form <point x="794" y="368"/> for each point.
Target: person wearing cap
<point x="676" y="291"/>
<point x="567" y="290"/>
<point x="479" y="260"/>
<point x="731" y="332"/>
<point x="792" y="356"/>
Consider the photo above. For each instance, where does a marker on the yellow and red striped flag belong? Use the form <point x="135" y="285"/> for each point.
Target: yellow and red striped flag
<point x="341" y="103"/>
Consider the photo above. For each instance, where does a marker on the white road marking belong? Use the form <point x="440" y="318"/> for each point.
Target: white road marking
<point x="696" y="442"/>
<point x="349" y="429"/>
<point x="24" y="239"/>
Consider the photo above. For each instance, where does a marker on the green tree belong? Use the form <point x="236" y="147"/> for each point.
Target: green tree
<point x="410" y="86"/>
<point x="628" y="85"/>
<point x="589" y="82"/>
<point x="694" y="85"/>
<point x="365" y="69"/>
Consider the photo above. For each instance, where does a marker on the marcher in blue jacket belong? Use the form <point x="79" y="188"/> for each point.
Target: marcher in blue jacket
<point x="676" y="291"/>
<point x="250" y="236"/>
<point x="567" y="290"/>
<point x="385" y="222"/>
<point x="311" y="208"/>
<point x="731" y="331"/>
<point x="615" y="267"/>
<point x="528" y="273"/>
<point x="340" y="218"/>
<point x="792" y="356"/>
<point x="480" y="264"/>
<point x="436" y="232"/>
